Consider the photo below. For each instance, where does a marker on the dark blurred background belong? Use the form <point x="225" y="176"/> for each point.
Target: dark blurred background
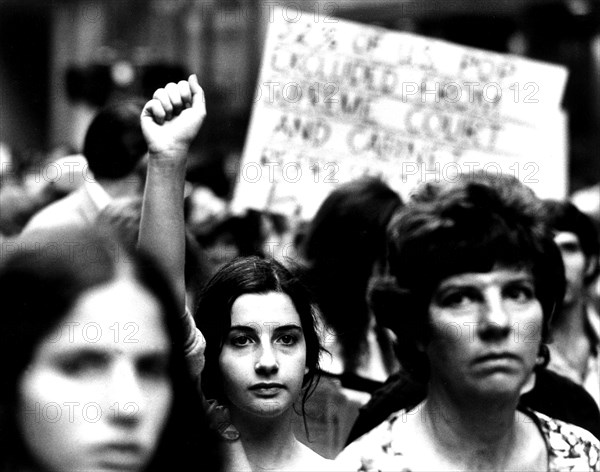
<point x="61" y="59"/>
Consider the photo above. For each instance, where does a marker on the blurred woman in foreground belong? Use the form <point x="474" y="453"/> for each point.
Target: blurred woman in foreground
<point x="92" y="359"/>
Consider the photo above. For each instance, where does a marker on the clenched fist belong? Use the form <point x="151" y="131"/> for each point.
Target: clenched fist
<point x="171" y="120"/>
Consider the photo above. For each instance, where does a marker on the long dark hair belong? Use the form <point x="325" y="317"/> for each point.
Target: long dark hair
<point x="41" y="279"/>
<point x="344" y="241"/>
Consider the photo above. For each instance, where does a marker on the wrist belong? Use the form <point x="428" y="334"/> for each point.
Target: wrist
<point x="168" y="160"/>
<point x="167" y="174"/>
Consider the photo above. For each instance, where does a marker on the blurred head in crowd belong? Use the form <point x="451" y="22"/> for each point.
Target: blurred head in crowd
<point x="114" y="143"/>
<point x="123" y="215"/>
<point x="343" y="243"/>
<point x="459" y="248"/>
<point x="577" y="239"/>
<point x="91" y="351"/>
<point x="262" y="344"/>
<point x="587" y="200"/>
<point x="229" y="237"/>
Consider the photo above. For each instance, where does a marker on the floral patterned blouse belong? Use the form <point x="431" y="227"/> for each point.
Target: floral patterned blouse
<point x="570" y="448"/>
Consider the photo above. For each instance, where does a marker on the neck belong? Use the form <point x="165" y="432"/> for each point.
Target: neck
<point x="460" y="428"/>
<point x="571" y="322"/>
<point x="571" y="340"/>
<point x="129" y="186"/>
<point x="269" y="443"/>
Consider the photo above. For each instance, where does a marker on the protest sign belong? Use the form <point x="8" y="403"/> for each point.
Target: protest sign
<point x="339" y="100"/>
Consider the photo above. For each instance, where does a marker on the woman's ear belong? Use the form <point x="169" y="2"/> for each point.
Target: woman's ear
<point x="591" y="268"/>
<point x="306" y="370"/>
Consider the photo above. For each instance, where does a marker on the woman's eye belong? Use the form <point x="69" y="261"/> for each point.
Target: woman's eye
<point x="457" y="299"/>
<point x="154" y="367"/>
<point x="287" y="340"/>
<point x="519" y="293"/>
<point x="87" y="364"/>
<point x="241" y="341"/>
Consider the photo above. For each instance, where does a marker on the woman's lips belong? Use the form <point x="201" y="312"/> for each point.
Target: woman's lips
<point x="119" y="456"/>
<point x="497" y="358"/>
<point x="267" y="389"/>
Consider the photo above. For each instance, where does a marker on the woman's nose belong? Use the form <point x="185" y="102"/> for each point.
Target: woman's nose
<point x="267" y="361"/>
<point x="494" y="322"/>
<point x="126" y="393"/>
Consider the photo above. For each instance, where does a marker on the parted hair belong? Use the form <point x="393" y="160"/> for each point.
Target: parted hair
<point x="41" y="281"/>
<point x="475" y="225"/>
<point x="251" y="275"/>
<point x="344" y="241"/>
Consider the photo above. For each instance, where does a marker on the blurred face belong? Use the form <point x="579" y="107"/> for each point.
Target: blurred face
<point x="263" y="359"/>
<point x="485" y="333"/>
<point x="221" y="251"/>
<point x="575" y="265"/>
<point x="97" y="393"/>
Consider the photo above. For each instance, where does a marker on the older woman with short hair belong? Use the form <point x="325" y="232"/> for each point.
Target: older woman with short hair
<point x="473" y="279"/>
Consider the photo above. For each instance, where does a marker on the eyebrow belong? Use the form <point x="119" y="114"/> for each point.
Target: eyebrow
<point x="106" y="353"/>
<point x="252" y="329"/>
<point x="288" y="327"/>
<point x="523" y="277"/>
<point x="83" y="351"/>
<point x="568" y="243"/>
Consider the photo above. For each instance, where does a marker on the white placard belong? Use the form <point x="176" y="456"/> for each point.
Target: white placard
<point x="339" y="100"/>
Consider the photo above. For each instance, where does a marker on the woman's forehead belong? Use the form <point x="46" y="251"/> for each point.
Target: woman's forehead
<point x="273" y="307"/>
<point x="498" y="275"/>
<point x="120" y="314"/>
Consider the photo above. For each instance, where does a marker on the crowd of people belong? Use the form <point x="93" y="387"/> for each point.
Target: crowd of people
<point x="457" y="330"/>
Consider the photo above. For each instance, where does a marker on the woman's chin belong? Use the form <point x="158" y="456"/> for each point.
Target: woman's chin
<point x="497" y="387"/>
<point x="266" y="408"/>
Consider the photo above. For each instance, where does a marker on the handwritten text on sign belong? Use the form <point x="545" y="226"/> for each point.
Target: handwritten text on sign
<point x="342" y="100"/>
